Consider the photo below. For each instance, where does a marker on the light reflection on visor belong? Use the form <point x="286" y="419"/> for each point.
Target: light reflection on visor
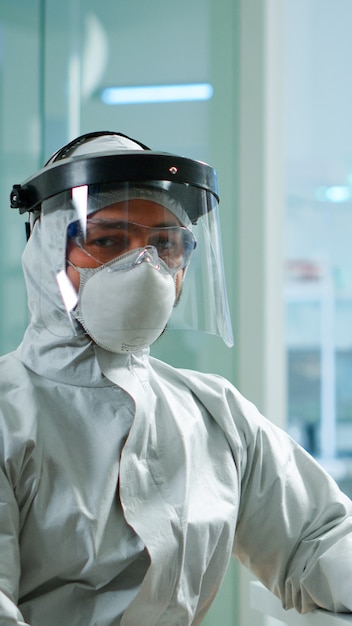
<point x="107" y="239"/>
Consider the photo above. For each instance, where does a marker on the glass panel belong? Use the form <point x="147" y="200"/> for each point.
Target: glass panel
<point x="318" y="232"/>
<point x="55" y="59"/>
<point x="19" y="151"/>
<point x="93" y="46"/>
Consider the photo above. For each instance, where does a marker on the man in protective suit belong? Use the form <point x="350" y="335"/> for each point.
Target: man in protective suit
<point x="126" y="484"/>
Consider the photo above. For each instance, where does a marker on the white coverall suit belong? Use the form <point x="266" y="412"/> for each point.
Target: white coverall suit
<point x="126" y="485"/>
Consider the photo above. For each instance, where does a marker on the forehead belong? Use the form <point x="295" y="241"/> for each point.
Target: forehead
<point x="141" y="211"/>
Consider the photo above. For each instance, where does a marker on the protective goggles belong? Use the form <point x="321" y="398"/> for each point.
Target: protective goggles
<point x="106" y="239"/>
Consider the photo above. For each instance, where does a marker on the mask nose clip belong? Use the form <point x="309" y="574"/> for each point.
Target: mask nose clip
<point x="148" y="255"/>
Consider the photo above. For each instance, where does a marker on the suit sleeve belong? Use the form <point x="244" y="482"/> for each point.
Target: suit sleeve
<point x="294" y="529"/>
<point x="10" y="615"/>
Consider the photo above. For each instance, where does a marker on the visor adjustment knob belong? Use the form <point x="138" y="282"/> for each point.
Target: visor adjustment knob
<point x="18" y="197"/>
<point x="15" y="197"/>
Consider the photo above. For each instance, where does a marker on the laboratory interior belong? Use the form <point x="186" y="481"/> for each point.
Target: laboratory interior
<point x="260" y="90"/>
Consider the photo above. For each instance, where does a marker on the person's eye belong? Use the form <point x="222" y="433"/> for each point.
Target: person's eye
<point x="105" y="246"/>
<point x="106" y="242"/>
<point x="164" y="243"/>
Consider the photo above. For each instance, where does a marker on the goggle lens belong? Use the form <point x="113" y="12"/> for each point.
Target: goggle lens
<point x="107" y="239"/>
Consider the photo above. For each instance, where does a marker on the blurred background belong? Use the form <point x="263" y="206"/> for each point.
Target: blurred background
<point x="268" y="103"/>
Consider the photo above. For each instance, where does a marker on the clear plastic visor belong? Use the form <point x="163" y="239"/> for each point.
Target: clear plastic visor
<point x="104" y="223"/>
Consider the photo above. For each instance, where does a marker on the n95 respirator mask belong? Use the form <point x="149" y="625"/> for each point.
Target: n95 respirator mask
<point x="125" y="304"/>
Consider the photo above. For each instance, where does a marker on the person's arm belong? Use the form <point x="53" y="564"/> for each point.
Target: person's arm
<point x="295" y="526"/>
<point x="10" y="615"/>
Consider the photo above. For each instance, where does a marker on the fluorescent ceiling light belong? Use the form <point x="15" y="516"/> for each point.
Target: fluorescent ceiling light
<point x="157" y="93"/>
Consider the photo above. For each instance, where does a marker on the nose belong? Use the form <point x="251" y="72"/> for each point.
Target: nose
<point x="137" y="240"/>
<point x="148" y="255"/>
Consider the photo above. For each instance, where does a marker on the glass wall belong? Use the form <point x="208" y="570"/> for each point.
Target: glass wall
<point x="56" y="59"/>
<point x="318" y="286"/>
<point x="19" y="150"/>
<point x="60" y="57"/>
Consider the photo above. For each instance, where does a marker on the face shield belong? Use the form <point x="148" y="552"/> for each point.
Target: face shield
<point x="116" y="210"/>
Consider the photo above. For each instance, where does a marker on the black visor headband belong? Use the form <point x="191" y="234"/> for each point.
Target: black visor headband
<point x="182" y="177"/>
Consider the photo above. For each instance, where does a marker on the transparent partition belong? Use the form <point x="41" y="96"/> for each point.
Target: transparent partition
<point x="20" y="147"/>
<point x="318" y="268"/>
<point x="147" y="70"/>
<point x="57" y="60"/>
